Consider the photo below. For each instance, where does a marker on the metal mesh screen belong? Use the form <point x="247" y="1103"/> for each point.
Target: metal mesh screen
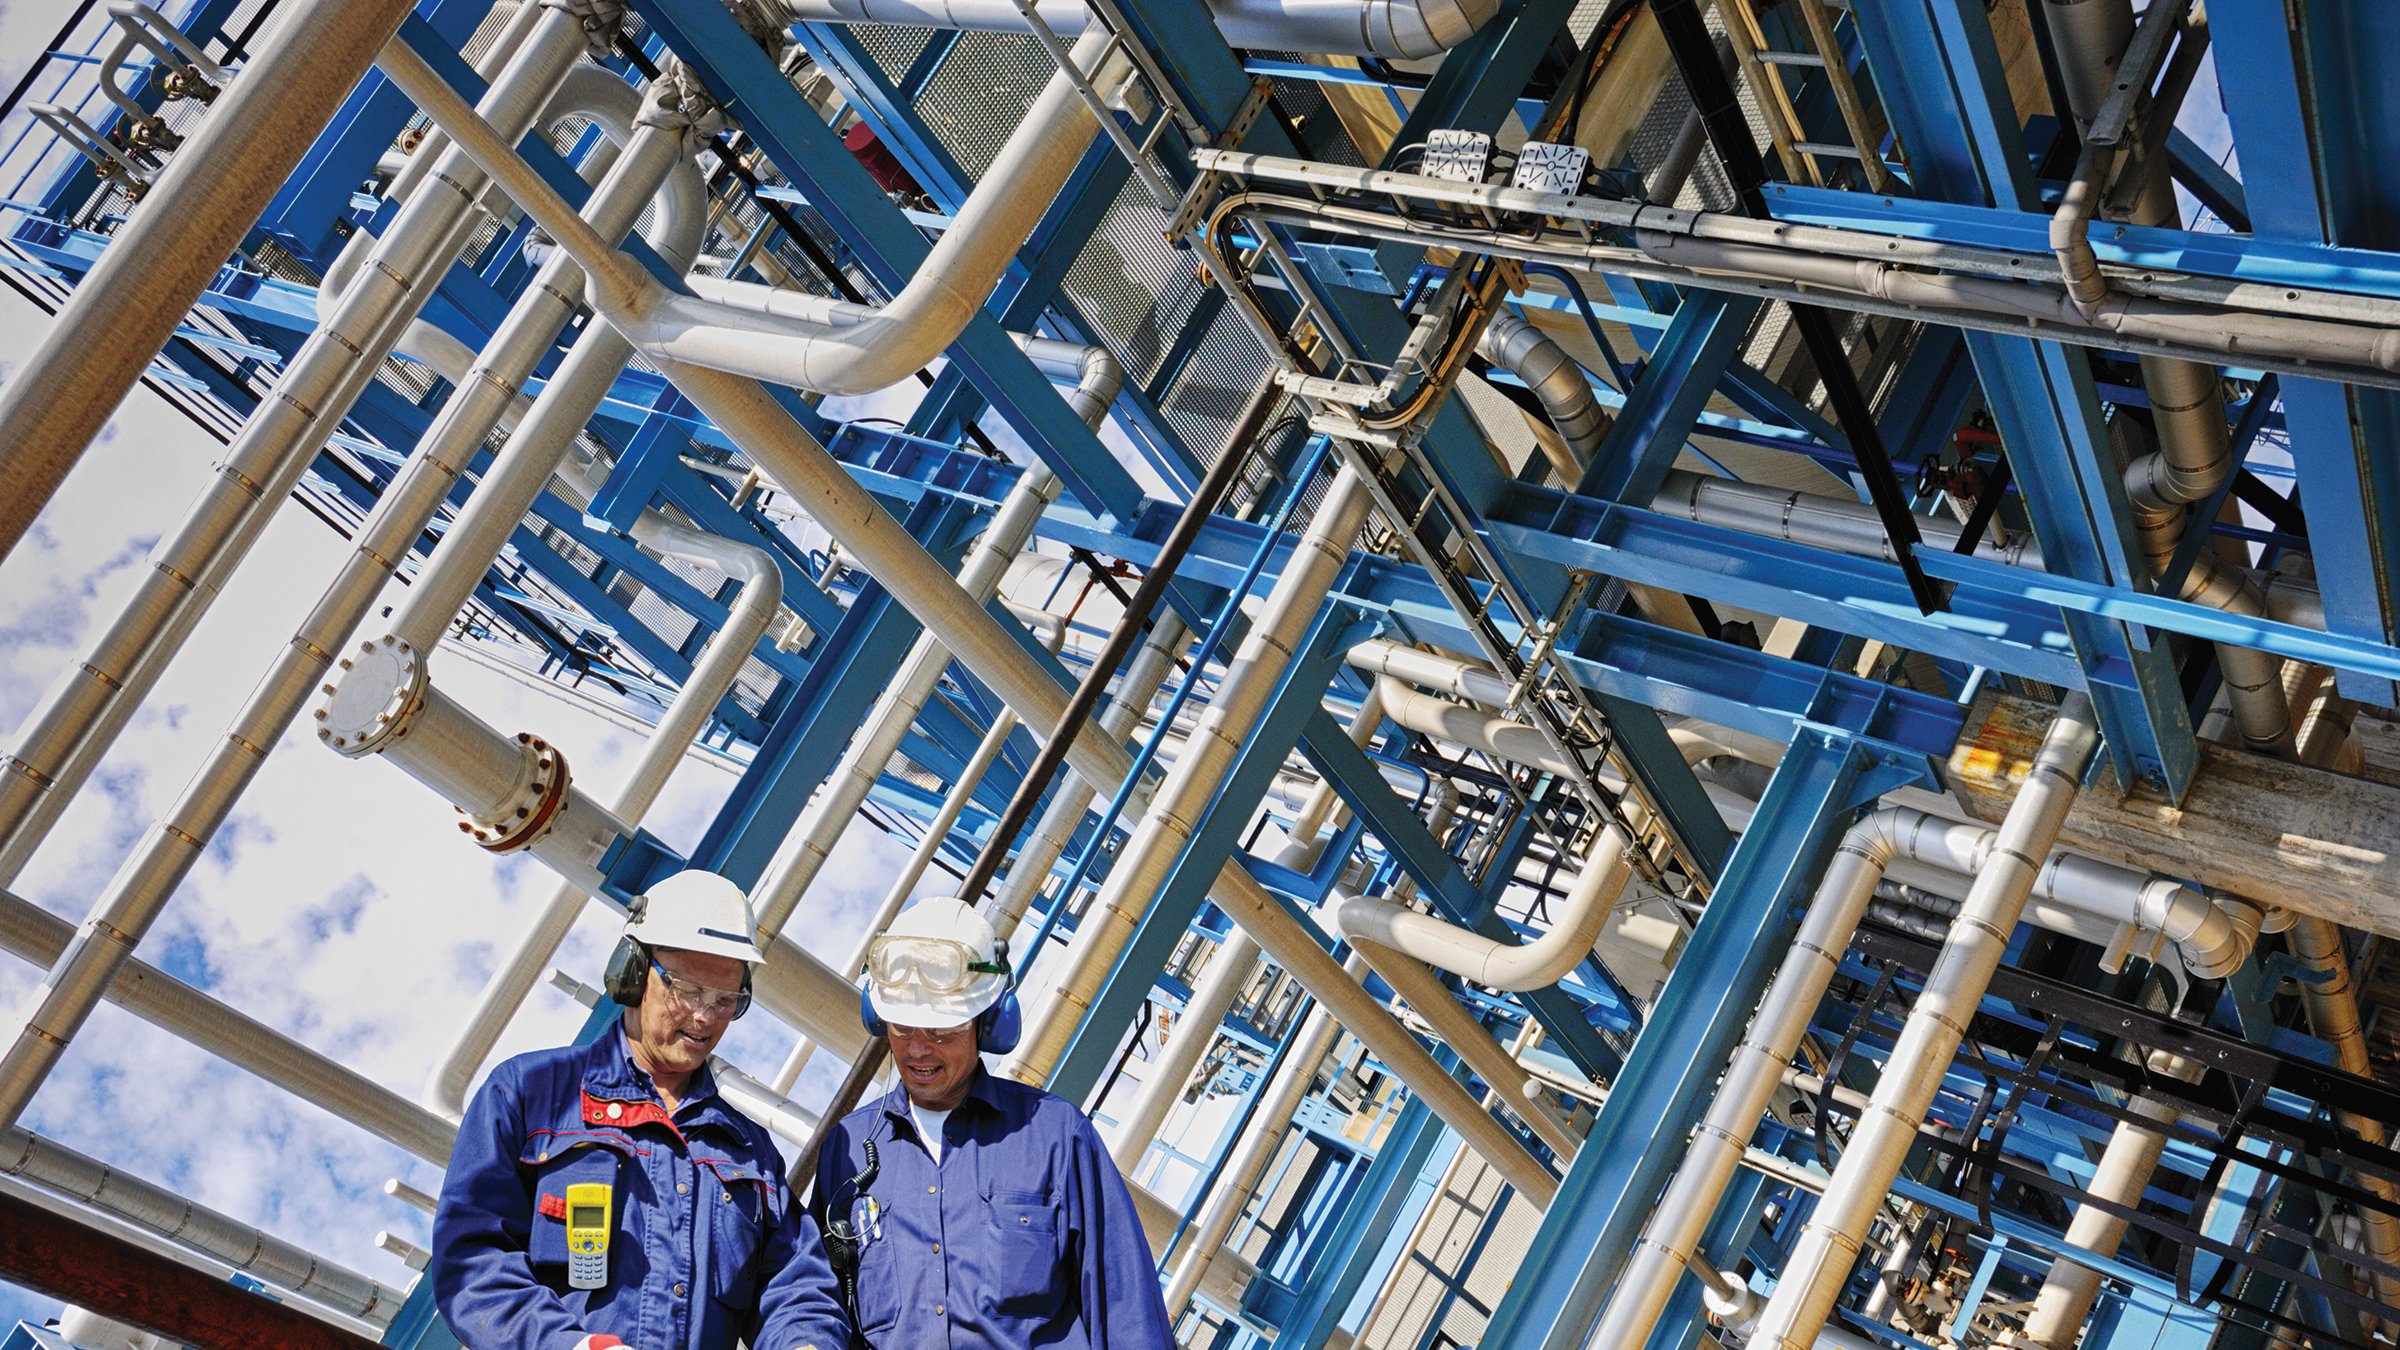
<point x="977" y="98"/>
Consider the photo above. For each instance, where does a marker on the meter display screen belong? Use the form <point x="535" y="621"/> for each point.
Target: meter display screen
<point x="589" y="1216"/>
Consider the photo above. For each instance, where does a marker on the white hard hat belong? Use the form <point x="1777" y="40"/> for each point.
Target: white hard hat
<point x="695" y="911"/>
<point x="938" y="965"/>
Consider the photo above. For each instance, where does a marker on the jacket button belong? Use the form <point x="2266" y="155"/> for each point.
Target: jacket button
<point x="682" y="1188"/>
<point x="937" y="1246"/>
<point x="930" y="1190"/>
<point x="616" y="1110"/>
<point x="937" y="1309"/>
<point x="679" y="1291"/>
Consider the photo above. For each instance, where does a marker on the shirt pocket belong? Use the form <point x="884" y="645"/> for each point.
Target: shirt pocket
<point x="1025" y="1228"/>
<point x="736" y="1200"/>
<point x="558" y="1163"/>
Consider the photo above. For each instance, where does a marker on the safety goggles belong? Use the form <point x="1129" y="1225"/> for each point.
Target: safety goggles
<point x="705" y="999"/>
<point x="935" y="965"/>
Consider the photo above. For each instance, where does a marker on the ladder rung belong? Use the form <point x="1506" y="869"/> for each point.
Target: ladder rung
<point x="1774" y="57"/>
<point x="1841" y="148"/>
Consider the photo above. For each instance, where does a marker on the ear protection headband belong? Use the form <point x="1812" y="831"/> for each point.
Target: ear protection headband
<point x="628" y="976"/>
<point x="997" y="1028"/>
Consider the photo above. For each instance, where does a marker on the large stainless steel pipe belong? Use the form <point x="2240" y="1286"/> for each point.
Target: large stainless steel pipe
<point x="175" y="242"/>
<point x="1829" y="1245"/>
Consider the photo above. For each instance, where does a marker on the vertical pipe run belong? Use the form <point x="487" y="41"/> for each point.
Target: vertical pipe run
<point x="195" y="214"/>
<point x="1829" y="1245"/>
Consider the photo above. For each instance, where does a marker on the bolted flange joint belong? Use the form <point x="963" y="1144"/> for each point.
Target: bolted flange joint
<point x="528" y="810"/>
<point x="376" y="699"/>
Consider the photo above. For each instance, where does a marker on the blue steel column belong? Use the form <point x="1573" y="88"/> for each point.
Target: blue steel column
<point x="2336" y="190"/>
<point x="1964" y="145"/>
<point x="1634" y="1144"/>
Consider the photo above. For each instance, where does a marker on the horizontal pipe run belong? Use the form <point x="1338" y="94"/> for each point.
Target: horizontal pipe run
<point x="1403" y="29"/>
<point x="152" y="1207"/>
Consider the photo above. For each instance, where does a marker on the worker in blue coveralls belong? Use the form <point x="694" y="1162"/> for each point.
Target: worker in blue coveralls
<point x="986" y="1213"/>
<point x="605" y="1195"/>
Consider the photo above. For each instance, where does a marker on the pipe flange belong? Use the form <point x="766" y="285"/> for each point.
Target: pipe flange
<point x="542" y="781"/>
<point x="375" y="701"/>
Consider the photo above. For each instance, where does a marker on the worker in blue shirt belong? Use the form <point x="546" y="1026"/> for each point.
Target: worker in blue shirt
<point x="605" y="1195"/>
<point x="987" y="1213"/>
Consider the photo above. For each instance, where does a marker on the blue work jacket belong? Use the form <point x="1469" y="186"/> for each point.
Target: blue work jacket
<point x="1022" y="1235"/>
<point x="706" y="1245"/>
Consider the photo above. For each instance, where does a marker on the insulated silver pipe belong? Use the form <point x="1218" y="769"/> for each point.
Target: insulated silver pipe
<point x="1407" y="29"/>
<point x="155" y="1209"/>
<point x="787" y="453"/>
<point x="695" y="704"/>
<point x="174" y="243"/>
<point x="1672" y="1237"/>
<point x="1164" y="831"/>
<point x="35" y="934"/>
<point x="1837" y="523"/>
<point x="1829" y="1244"/>
<point x="1228" y="973"/>
<point x="1247" y="1162"/>
<point x="1515" y="345"/>
<point x="81" y="715"/>
<point x="145" y="881"/>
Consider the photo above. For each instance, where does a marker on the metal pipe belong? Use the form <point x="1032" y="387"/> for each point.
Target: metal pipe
<point x="1511" y="967"/>
<point x="1463" y="1032"/>
<point x="1165" y="829"/>
<point x="146" y="879"/>
<point x="787" y="453"/>
<point x="1553" y="377"/>
<point x="81" y="715"/>
<point x="1047" y="841"/>
<point x="173" y="245"/>
<point x="694" y="705"/>
<point x="929" y="313"/>
<point x="1238" y="1180"/>
<point x="1836" y="523"/>
<point x="1229" y="972"/>
<point x="1829" y="1244"/>
<point x="1757" y="1067"/>
<point x="2071" y="1288"/>
<point x="49" y="1247"/>
<point x="1406" y="29"/>
<point x="154" y="1208"/>
<point x="35" y="934"/>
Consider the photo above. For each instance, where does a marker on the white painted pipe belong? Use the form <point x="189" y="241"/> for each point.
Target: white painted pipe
<point x="1405" y="29"/>
<point x="1164" y="831"/>
<point x="82" y="714"/>
<point x="1246" y="1163"/>
<point x="1672" y="1236"/>
<point x="1829" y="1244"/>
<point x="1229" y="972"/>
<point x="1510" y="967"/>
<point x="35" y="934"/>
<point x="1463" y="1032"/>
<point x="767" y="432"/>
<point x="2071" y="1288"/>
<point x="949" y="287"/>
<point x="712" y="677"/>
<point x="1836" y="523"/>
<point x="156" y="1209"/>
<point x="173" y="244"/>
<point x="143" y="884"/>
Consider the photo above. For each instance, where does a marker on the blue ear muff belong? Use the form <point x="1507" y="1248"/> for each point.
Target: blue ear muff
<point x="866" y="1013"/>
<point x="998" y="1027"/>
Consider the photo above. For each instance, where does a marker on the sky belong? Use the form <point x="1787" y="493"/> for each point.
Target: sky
<point x="339" y="903"/>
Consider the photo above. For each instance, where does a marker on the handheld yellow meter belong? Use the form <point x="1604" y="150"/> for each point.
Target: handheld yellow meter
<point x="587" y="1234"/>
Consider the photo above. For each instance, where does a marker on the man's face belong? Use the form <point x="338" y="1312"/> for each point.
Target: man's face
<point x="674" y="1027"/>
<point x="936" y="1065"/>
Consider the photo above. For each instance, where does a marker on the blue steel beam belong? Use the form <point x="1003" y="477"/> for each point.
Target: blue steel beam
<point x="1376" y="1208"/>
<point x="1441" y="880"/>
<point x="1626" y="1157"/>
<point x="807" y="152"/>
<point x="2311" y="113"/>
<point x="1214" y="840"/>
<point x="1965" y="145"/>
<point x="1666" y="401"/>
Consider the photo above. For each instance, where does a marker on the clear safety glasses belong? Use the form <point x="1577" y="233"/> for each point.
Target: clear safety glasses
<point x="705" y="999"/>
<point x="936" y="965"/>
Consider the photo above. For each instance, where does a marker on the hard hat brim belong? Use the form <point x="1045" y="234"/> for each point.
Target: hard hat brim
<point x="934" y="1012"/>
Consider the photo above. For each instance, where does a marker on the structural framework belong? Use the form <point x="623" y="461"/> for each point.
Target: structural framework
<point x="1725" y="673"/>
